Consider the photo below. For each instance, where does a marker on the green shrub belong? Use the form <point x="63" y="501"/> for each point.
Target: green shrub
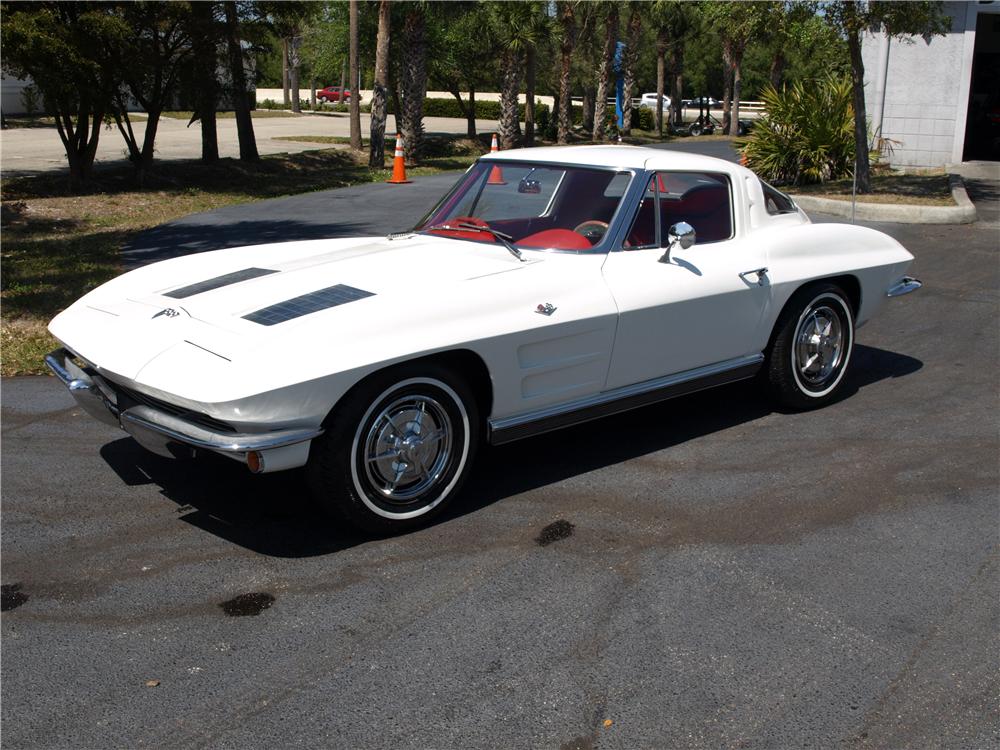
<point x="805" y="135"/>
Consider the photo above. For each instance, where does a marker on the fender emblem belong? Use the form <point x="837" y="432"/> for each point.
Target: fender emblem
<point x="546" y="309"/>
<point x="168" y="311"/>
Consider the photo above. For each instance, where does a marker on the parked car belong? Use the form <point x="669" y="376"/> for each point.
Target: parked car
<point x="549" y="287"/>
<point x="333" y="94"/>
<point x="649" y="101"/>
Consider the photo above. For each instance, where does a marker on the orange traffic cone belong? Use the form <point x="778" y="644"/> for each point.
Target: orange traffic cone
<point x="496" y="175"/>
<point x="398" y="167"/>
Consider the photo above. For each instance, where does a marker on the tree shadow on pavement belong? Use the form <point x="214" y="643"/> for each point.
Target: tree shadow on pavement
<point x="182" y="238"/>
<point x="273" y="514"/>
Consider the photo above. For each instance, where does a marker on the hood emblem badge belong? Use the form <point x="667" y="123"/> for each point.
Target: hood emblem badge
<point x="547" y="309"/>
<point x="168" y="311"/>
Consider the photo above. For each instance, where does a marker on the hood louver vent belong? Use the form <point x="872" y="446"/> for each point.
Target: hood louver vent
<point x="296" y="307"/>
<point x="218" y="282"/>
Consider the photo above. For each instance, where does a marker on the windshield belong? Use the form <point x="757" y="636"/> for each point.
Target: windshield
<point x="530" y="205"/>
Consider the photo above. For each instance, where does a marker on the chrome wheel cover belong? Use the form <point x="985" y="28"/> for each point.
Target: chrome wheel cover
<point x="407" y="448"/>
<point x="819" y="343"/>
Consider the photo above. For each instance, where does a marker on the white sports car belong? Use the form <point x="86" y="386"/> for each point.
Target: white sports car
<point x="550" y="286"/>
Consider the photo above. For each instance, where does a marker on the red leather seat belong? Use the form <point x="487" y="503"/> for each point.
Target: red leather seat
<point x="556" y="239"/>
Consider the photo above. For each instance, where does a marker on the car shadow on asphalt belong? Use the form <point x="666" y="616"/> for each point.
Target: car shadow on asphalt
<point x="273" y="514"/>
<point x="182" y="238"/>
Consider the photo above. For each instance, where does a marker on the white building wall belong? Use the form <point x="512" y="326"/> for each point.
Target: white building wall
<point x="926" y="89"/>
<point x="922" y="112"/>
<point x="11" y="102"/>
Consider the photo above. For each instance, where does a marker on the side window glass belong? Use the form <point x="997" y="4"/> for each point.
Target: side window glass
<point x="776" y="202"/>
<point x="702" y="199"/>
<point x="642" y="233"/>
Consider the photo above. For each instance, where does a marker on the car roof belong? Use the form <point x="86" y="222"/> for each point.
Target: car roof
<point x="619" y="156"/>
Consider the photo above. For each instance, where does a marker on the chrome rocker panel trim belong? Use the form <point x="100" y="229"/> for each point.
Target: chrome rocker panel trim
<point x="158" y="431"/>
<point x="905" y="285"/>
<point x="622" y="399"/>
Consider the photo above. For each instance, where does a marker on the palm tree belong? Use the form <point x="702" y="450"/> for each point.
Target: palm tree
<point x="413" y="81"/>
<point x="376" y="154"/>
<point x="631" y="53"/>
<point x="353" y="102"/>
<point x="567" y="25"/>
<point x="514" y="28"/>
<point x="604" y="71"/>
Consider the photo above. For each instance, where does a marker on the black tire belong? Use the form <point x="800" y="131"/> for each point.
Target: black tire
<point x="696" y="130"/>
<point x="397" y="449"/>
<point x="811" y="347"/>
<point x="323" y="99"/>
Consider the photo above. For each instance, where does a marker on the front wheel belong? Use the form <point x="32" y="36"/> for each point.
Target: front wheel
<point x="812" y="346"/>
<point x="397" y="449"/>
<point x="696" y="130"/>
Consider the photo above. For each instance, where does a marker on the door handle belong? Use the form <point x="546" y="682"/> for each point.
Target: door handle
<point x="760" y="273"/>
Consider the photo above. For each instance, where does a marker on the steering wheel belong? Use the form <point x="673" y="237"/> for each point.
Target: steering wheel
<point x="592" y="229"/>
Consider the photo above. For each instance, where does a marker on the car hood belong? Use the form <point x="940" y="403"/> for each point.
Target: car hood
<point x="228" y="305"/>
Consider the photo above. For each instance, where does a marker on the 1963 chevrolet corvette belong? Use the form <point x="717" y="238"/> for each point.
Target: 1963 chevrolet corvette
<point x="550" y="286"/>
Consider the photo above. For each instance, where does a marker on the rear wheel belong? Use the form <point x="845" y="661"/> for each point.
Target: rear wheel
<point x="812" y="346"/>
<point x="696" y="129"/>
<point x="397" y="450"/>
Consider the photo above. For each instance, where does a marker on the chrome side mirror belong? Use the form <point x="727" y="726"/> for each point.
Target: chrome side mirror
<point x="680" y="235"/>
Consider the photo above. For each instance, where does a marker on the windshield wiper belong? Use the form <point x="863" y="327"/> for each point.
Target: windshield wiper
<point x="504" y="238"/>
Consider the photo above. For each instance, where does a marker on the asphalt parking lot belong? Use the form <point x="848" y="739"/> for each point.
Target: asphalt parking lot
<point x="705" y="573"/>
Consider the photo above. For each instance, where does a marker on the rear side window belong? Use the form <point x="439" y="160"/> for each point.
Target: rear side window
<point x="776" y="202"/>
<point x="702" y="199"/>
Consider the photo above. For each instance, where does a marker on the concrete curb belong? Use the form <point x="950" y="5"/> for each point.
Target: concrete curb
<point x="964" y="212"/>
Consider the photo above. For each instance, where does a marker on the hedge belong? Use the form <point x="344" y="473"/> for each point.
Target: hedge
<point x="642" y="117"/>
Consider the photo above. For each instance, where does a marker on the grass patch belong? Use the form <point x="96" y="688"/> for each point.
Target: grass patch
<point x="921" y="190"/>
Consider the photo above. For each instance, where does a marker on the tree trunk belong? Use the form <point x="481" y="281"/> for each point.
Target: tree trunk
<point x="661" y="78"/>
<point x="312" y="94"/>
<point x="677" y="71"/>
<point x="604" y="75"/>
<point x="727" y="84"/>
<point x="529" y="96"/>
<point x="353" y="103"/>
<point x="734" y="123"/>
<point x="343" y="78"/>
<point x="588" y="109"/>
<point x="470" y="117"/>
<point x="565" y="104"/>
<point x="376" y="151"/>
<point x="284" y="68"/>
<point x="863" y="168"/>
<point x="241" y="100"/>
<point x="206" y="62"/>
<point x="80" y="143"/>
<point x="294" y="66"/>
<point x="148" y="141"/>
<point x="630" y="56"/>
<point x="778" y="63"/>
<point x="509" y="121"/>
<point x="414" y="83"/>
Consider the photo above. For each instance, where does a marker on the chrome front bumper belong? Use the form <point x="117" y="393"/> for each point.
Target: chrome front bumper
<point x="169" y="435"/>
<point x="905" y="285"/>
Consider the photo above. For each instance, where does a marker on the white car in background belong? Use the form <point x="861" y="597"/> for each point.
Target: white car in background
<point x="648" y="101"/>
<point x="549" y="287"/>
